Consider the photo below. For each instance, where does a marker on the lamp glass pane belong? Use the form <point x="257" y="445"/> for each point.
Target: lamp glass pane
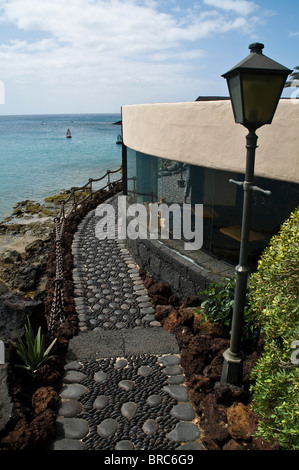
<point x="234" y="85"/>
<point x="261" y="95"/>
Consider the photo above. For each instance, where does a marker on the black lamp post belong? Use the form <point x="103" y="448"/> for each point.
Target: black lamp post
<point x="255" y="86"/>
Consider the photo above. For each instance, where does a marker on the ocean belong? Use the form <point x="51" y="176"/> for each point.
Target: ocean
<point x="37" y="160"/>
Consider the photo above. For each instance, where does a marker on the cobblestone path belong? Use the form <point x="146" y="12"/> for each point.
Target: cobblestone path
<point x="124" y="388"/>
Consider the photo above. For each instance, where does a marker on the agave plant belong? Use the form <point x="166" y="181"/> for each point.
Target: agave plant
<point x="33" y="352"/>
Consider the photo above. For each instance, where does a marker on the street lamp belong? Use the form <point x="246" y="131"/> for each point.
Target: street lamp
<point x="255" y="86"/>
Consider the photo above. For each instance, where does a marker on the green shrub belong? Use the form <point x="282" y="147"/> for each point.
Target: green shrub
<point x="274" y="297"/>
<point x="218" y="307"/>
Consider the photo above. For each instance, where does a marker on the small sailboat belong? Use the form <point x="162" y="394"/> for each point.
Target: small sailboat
<point x="68" y="134"/>
<point x="119" y="139"/>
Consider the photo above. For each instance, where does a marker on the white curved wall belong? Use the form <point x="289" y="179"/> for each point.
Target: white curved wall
<point x="204" y="133"/>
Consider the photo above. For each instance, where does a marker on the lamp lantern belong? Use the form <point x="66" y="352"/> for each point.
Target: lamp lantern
<point x="255" y="85"/>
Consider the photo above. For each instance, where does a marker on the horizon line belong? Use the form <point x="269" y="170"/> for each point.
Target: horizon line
<point x="58" y="114"/>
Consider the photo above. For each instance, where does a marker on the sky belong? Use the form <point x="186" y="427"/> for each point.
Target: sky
<point x="95" y="56"/>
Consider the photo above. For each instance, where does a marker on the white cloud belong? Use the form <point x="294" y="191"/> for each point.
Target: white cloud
<point x="100" y="45"/>
<point x="240" y="7"/>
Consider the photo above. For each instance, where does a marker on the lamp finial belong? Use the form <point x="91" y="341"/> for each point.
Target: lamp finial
<point x="256" y="47"/>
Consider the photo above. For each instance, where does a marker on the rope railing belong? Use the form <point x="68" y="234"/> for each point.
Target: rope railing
<point x="73" y="192"/>
<point x="56" y="315"/>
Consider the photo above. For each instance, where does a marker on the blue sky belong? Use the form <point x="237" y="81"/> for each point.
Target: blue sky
<point x="94" y="56"/>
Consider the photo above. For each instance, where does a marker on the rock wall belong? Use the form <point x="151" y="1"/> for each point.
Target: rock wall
<point x="185" y="277"/>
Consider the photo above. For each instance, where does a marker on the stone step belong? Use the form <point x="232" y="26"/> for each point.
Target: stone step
<point x="113" y="343"/>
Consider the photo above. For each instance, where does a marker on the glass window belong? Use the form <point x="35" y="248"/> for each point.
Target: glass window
<point x="156" y="180"/>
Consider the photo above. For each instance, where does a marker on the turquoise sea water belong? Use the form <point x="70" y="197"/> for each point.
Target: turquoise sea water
<point x="37" y="160"/>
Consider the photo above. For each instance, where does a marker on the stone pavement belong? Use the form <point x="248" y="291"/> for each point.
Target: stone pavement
<point x="124" y="388"/>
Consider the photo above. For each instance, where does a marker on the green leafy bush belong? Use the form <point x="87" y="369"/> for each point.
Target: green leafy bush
<point x="218" y="307"/>
<point x="275" y="298"/>
<point x="33" y="352"/>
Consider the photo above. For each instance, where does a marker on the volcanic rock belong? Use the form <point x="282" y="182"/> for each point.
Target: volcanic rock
<point x="240" y="424"/>
<point x="162" y="311"/>
<point x="214" y="422"/>
<point x="227" y="393"/>
<point x="28" y="436"/>
<point x="44" y="398"/>
<point x="161" y="289"/>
